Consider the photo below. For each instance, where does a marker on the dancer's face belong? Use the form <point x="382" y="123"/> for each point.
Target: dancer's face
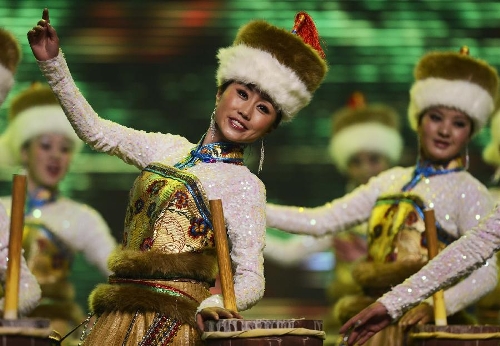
<point x="47" y="158"/>
<point x="443" y="133"/>
<point x="243" y="114"/>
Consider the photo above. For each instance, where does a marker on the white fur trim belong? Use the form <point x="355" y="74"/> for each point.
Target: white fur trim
<point x="35" y="121"/>
<point x="6" y="82"/>
<point x="251" y="65"/>
<point x="491" y="154"/>
<point x="370" y="136"/>
<point x="460" y="94"/>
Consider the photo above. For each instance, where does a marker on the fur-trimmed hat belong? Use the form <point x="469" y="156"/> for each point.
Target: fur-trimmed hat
<point x="33" y="112"/>
<point x="10" y="55"/>
<point x="361" y="127"/>
<point x="456" y="80"/>
<point x="288" y="66"/>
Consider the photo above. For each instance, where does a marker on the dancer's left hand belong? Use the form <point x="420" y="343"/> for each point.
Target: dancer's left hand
<point x="365" y="324"/>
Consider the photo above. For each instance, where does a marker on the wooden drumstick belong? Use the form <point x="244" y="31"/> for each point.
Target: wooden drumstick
<point x="432" y="247"/>
<point x="15" y="247"/>
<point x="223" y="257"/>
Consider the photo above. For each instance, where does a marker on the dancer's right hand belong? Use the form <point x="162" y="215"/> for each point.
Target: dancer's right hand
<point x="214" y="313"/>
<point x="43" y="39"/>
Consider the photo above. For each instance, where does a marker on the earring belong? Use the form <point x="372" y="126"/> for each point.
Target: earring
<point x="261" y="161"/>
<point x="212" y="125"/>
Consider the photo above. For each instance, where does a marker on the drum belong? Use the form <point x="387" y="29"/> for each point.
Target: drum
<point x="27" y="332"/>
<point x="454" y="335"/>
<point x="263" y="332"/>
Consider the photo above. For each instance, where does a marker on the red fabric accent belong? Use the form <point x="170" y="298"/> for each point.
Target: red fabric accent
<point x="305" y="28"/>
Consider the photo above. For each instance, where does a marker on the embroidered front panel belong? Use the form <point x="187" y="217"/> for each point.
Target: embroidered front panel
<point x="396" y="230"/>
<point x="161" y="332"/>
<point x="47" y="256"/>
<point x="168" y="212"/>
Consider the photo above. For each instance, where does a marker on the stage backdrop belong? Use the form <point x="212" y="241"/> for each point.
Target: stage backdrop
<point x="150" y="65"/>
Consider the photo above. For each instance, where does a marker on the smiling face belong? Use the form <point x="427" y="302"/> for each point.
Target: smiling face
<point x="47" y="158"/>
<point x="243" y="115"/>
<point x="443" y="133"/>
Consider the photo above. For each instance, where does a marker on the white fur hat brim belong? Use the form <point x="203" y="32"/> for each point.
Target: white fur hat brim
<point x="465" y="96"/>
<point x="31" y="123"/>
<point x="254" y="66"/>
<point x="6" y="82"/>
<point x="370" y="136"/>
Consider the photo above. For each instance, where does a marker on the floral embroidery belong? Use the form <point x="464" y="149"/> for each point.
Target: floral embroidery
<point x="198" y="227"/>
<point x="147" y="244"/>
<point x="155" y="187"/>
<point x="181" y="199"/>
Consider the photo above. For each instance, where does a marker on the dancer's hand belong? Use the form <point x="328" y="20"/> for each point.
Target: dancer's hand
<point x="43" y="39"/>
<point x="365" y="324"/>
<point x="214" y="313"/>
<point x="421" y="314"/>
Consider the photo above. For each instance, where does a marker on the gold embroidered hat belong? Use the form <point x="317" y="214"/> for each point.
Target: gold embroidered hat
<point x="455" y="80"/>
<point x="364" y="127"/>
<point x="34" y="111"/>
<point x="10" y="55"/>
<point x="288" y="66"/>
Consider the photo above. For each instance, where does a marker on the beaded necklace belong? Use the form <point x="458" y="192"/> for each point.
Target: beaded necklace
<point x="226" y="152"/>
<point x="426" y="169"/>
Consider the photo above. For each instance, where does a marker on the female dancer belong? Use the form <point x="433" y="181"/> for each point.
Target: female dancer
<point x="40" y="138"/>
<point x="166" y="263"/>
<point x="365" y="141"/>
<point x="29" y="290"/>
<point x="451" y="99"/>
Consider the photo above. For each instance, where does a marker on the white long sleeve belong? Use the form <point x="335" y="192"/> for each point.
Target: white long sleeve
<point x="458" y="199"/>
<point x="472" y="251"/>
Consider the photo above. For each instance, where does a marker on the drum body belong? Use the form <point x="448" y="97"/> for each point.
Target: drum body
<point x="28" y="332"/>
<point x="262" y="332"/>
<point x="24" y="340"/>
<point x="454" y="335"/>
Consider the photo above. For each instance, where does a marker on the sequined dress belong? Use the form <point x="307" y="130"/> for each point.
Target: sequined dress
<point x="55" y="229"/>
<point x="458" y="199"/>
<point x="29" y="290"/>
<point x="156" y="262"/>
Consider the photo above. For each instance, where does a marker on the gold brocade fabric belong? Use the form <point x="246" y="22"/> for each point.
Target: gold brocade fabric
<point x="50" y="259"/>
<point x="146" y="328"/>
<point x="167" y="216"/>
<point x="47" y="256"/>
<point x="396" y="230"/>
<point x="167" y="212"/>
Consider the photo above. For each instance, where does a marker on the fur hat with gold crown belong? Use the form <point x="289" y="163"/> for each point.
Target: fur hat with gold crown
<point x="456" y="80"/>
<point x="10" y="55"/>
<point x="364" y="127"/>
<point x="287" y="66"/>
<point x="33" y="112"/>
